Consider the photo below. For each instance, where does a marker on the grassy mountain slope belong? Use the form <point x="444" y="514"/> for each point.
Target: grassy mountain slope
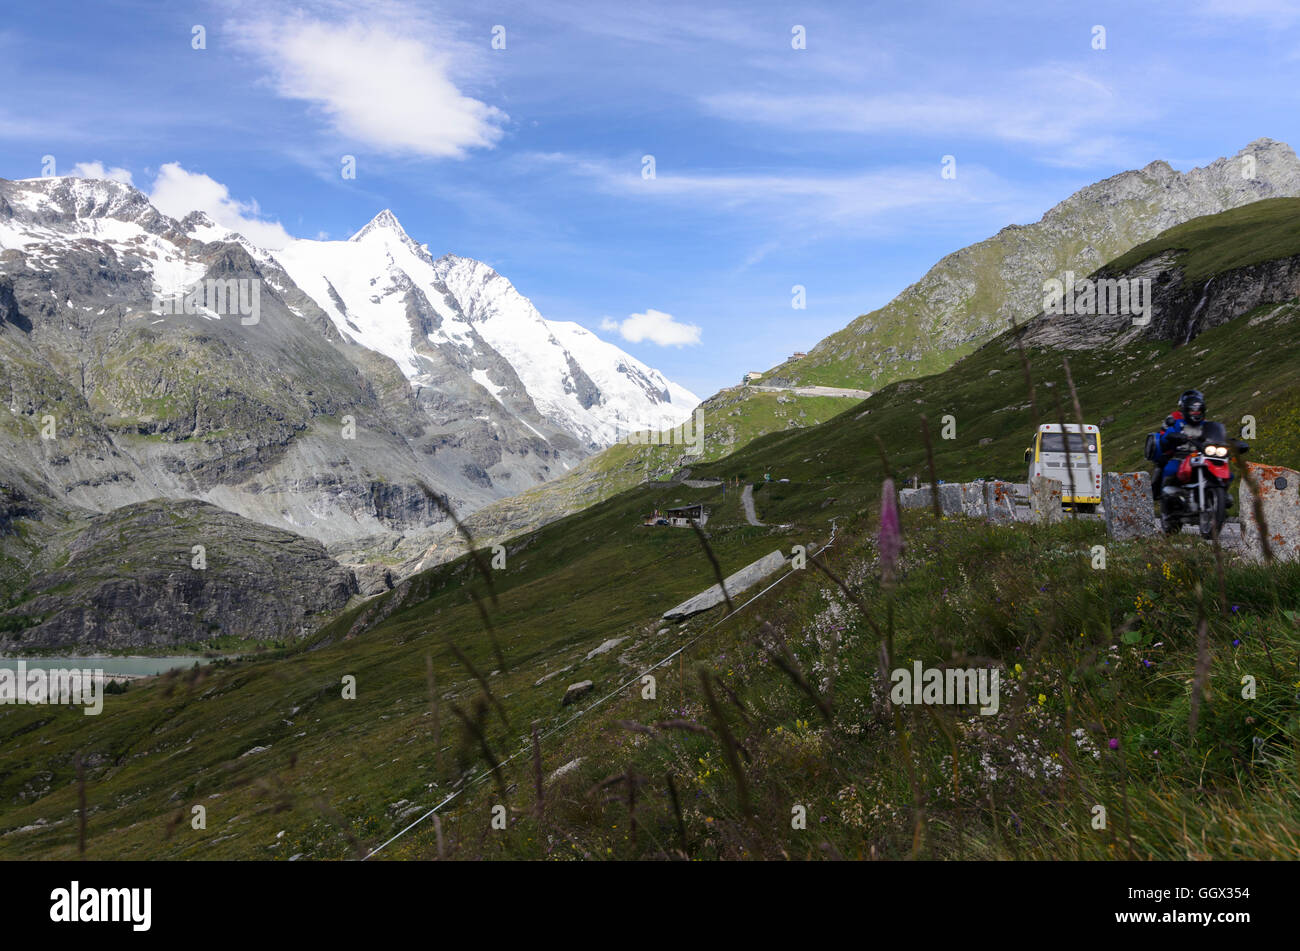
<point x="731" y="418"/>
<point x="1258" y="232"/>
<point x="269" y="745"/>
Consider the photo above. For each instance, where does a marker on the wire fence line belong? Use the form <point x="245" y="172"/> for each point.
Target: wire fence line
<point x="600" y="702"/>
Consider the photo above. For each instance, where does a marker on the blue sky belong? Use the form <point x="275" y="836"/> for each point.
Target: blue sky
<point x="774" y="166"/>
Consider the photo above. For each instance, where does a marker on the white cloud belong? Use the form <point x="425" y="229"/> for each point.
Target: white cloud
<point x="655" y="326"/>
<point x="379" y="85"/>
<point x="177" y="192"/>
<point x="97" y="170"/>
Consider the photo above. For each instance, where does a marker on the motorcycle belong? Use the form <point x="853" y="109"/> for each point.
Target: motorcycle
<point x="1197" y="493"/>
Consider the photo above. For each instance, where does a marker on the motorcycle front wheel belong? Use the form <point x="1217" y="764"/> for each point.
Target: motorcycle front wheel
<point x="1216" y="510"/>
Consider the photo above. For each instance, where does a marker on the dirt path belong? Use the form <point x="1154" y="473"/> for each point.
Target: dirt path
<point x="747" y="500"/>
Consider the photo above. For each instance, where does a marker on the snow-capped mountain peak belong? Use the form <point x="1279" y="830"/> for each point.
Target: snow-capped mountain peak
<point x="385" y="220"/>
<point x="386" y="292"/>
<point x="599" y="391"/>
<point x="51" y="220"/>
<point x="452" y="324"/>
<point x="78" y="204"/>
<point x="496" y="397"/>
<point x="384" y="228"/>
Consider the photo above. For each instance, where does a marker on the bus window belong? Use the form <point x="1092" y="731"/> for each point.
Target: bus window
<point x="1055" y="442"/>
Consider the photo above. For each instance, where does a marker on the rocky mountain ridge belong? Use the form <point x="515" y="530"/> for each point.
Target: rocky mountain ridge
<point x="360" y="377"/>
<point x="973" y="294"/>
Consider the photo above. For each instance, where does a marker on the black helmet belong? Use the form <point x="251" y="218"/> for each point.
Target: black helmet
<point x="1192" y="404"/>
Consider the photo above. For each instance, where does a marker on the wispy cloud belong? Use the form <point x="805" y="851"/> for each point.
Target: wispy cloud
<point x="654" y="326"/>
<point x="681" y="25"/>
<point x="849" y="200"/>
<point x="1069" y="116"/>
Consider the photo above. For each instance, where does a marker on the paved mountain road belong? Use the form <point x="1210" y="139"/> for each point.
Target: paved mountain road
<point x="815" y="391"/>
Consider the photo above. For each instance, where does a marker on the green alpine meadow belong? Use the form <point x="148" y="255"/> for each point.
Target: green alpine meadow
<point x="764" y="728"/>
<point x="661" y="472"/>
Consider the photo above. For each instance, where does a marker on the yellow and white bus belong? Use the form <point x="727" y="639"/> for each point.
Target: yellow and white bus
<point x="1047" y="457"/>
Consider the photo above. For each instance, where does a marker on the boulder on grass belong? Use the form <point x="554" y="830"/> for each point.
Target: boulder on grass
<point x="1130" y="510"/>
<point x="577" y="691"/>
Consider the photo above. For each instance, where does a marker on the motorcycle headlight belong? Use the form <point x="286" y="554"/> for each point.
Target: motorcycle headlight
<point x="1219" y="451"/>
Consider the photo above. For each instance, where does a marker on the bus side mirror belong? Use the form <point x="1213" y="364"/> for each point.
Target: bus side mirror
<point x="1029" y="454"/>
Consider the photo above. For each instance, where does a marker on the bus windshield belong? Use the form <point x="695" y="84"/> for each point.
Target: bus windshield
<point x="1055" y="442"/>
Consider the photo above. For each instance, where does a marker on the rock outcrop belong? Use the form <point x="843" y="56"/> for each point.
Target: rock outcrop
<point x="166" y="573"/>
<point x="1181" y="308"/>
<point x="742" y="580"/>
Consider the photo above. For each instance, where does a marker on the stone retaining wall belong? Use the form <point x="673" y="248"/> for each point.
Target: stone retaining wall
<point x="1128" y="508"/>
<point x="997" y="502"/>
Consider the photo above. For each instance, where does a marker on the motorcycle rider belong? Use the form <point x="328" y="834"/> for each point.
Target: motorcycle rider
<point x="1186" y="426"/>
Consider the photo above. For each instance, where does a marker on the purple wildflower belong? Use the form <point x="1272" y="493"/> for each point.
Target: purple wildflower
<point x="891" y="535"/>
